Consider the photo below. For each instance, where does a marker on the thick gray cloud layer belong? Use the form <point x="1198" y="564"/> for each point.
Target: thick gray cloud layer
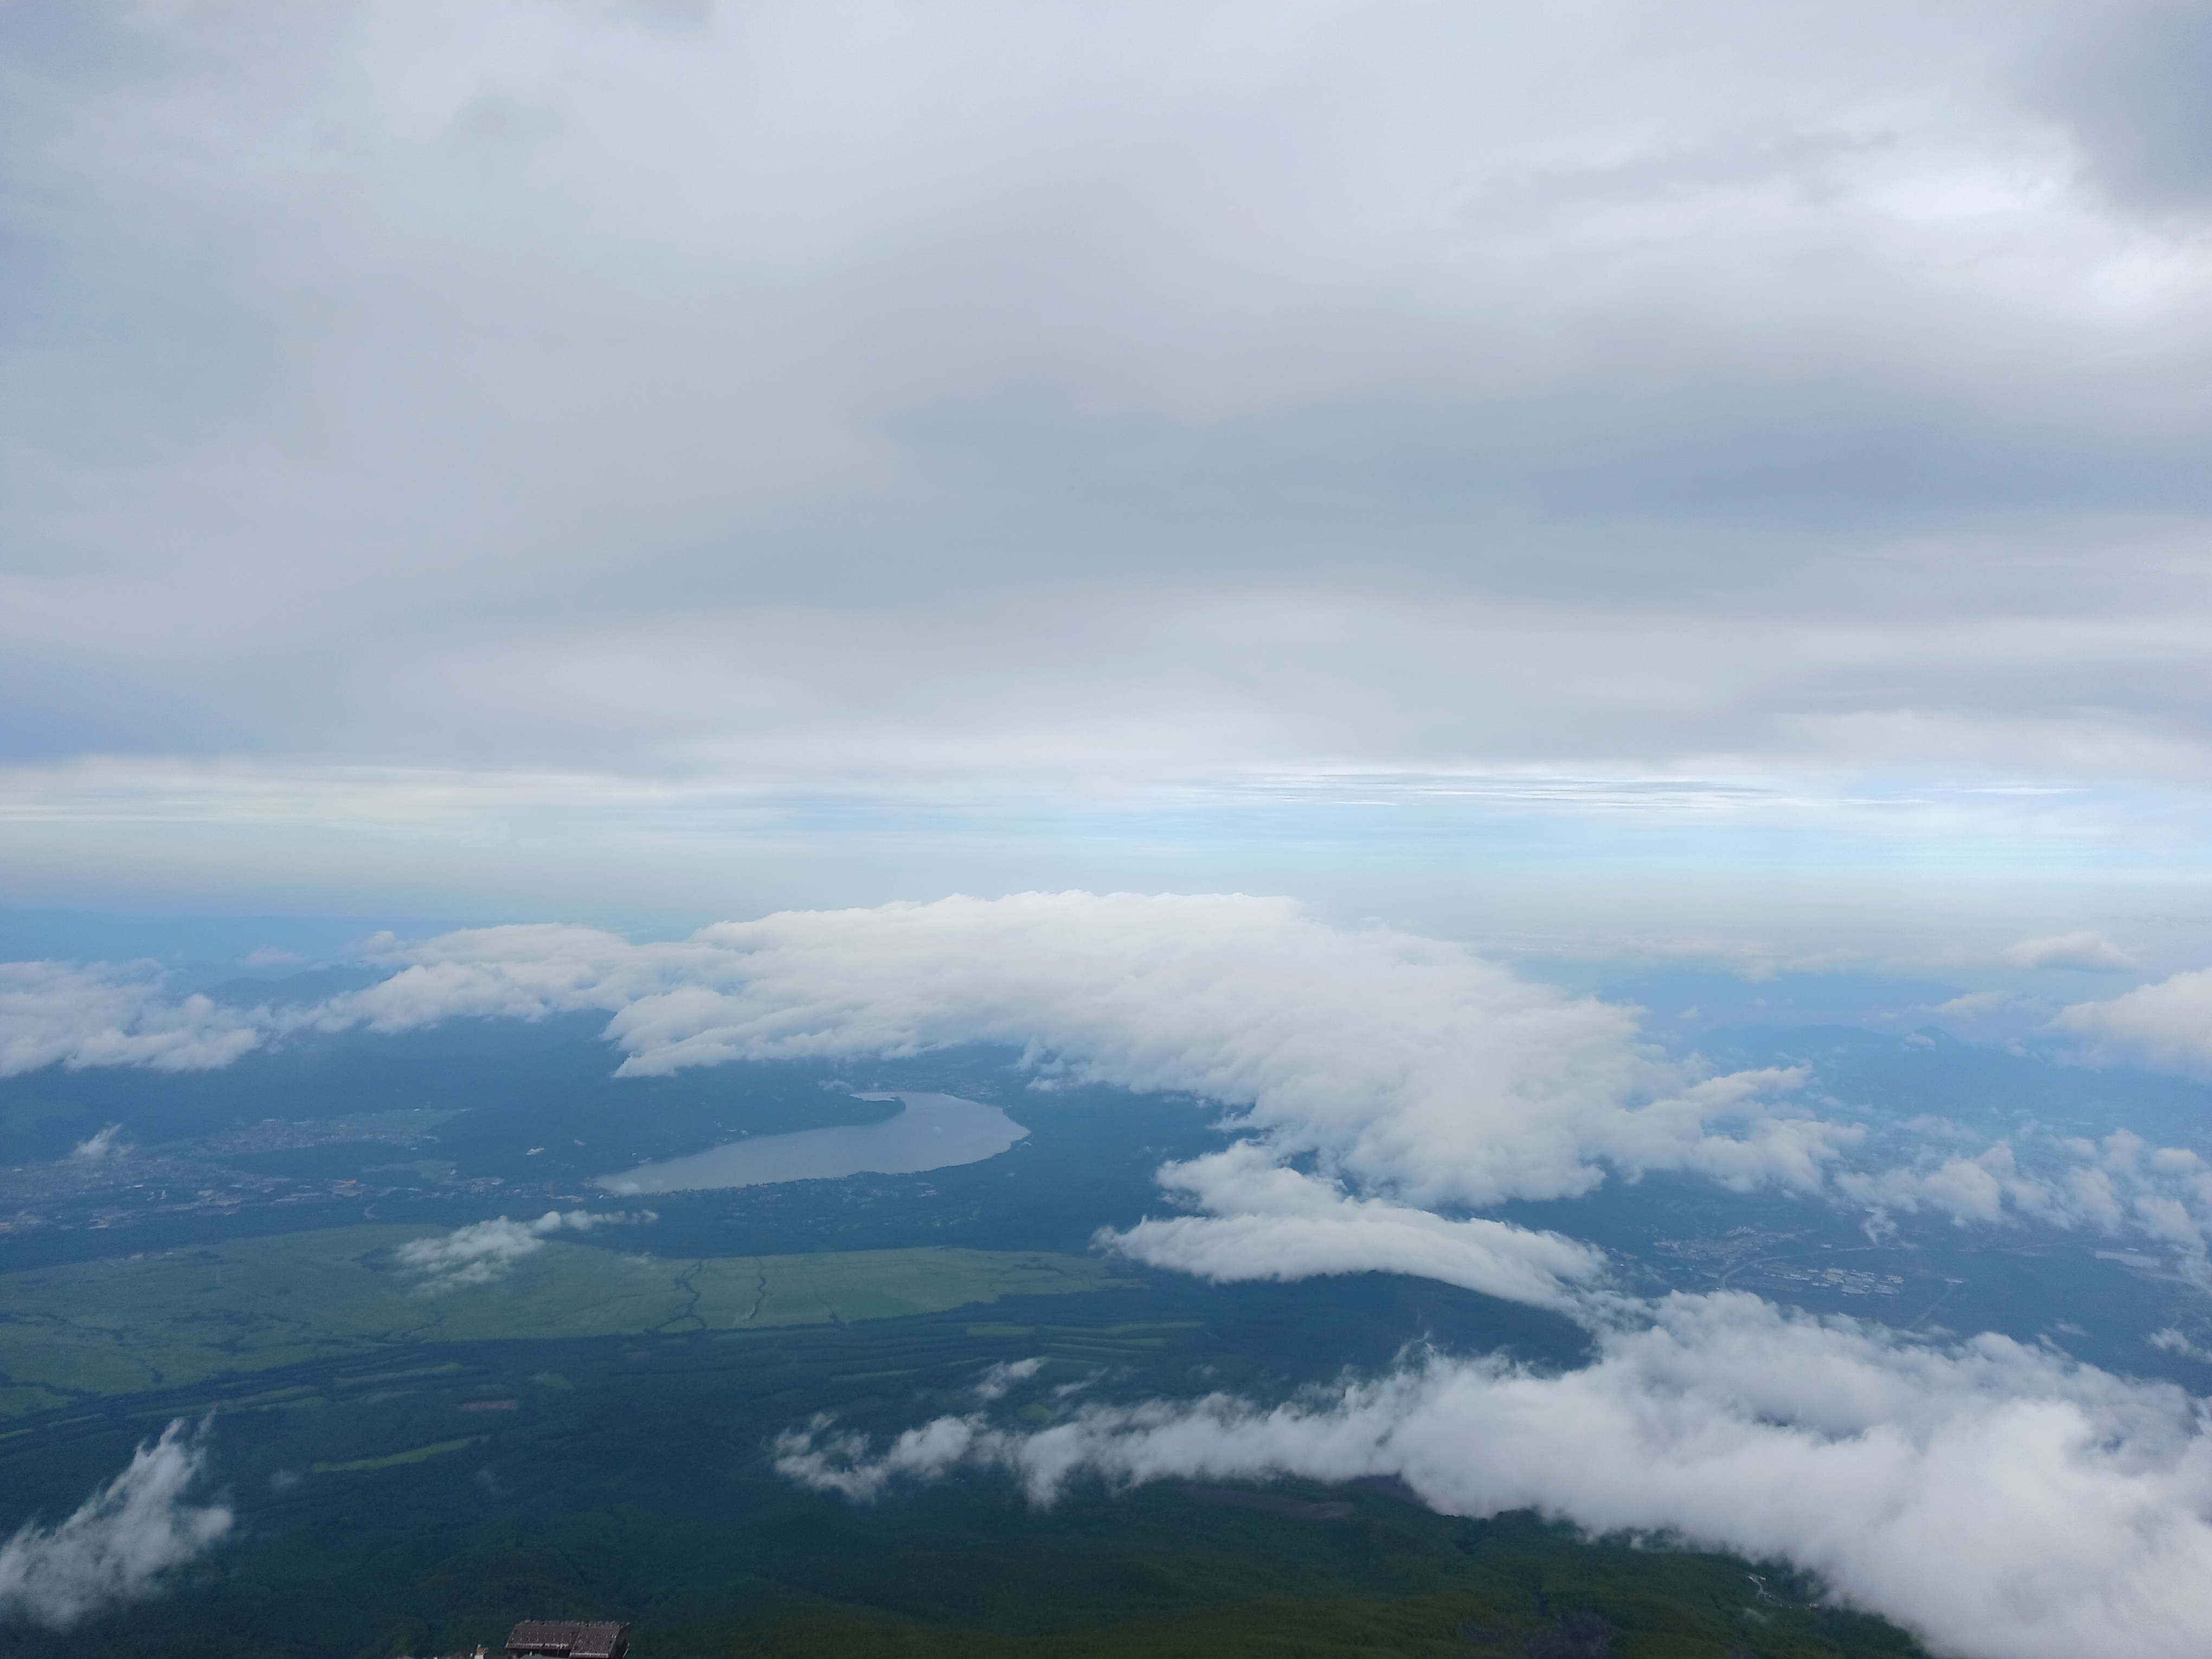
<point x="849" y="397"/>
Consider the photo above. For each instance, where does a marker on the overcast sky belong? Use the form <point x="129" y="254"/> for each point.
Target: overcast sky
<point x="1634" y="477"/>
<point x="1605" y="464"/>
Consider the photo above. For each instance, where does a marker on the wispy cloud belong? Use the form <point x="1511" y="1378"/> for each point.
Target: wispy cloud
<point x="1272" y="1223"/>
<point x="120" y="1543"/>
<point x="2085" y="951"/>
<point x="98" y="1148"/>
<point x="486" y="1250"/>
<point x="997" y="1380"/>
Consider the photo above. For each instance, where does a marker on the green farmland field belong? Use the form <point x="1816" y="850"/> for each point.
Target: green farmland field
<point x="155" y="1321"/>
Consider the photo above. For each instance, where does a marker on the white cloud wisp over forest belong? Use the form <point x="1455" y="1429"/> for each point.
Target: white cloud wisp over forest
<point x="1381" y="1091"/>
<point x="121" y="1543"/>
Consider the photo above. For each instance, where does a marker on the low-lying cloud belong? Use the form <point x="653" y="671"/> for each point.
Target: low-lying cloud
<point x="2086" y="952"/>
<point x="2167" y="1025"/>
<point x="1272" y="1223"/>
<point x="99" y="1147"/>
<point x="121" y="1542"/>
<point x="485" y="1251"/>
<point x="2001" y="1500"/>
<point x="110" y="1015"/>
<point x="1406" y="1072"/>
<point x="1380" y="1089"/>
<point x="997" y="1380"/>
<point x="1402" y="1074"/>
<point x="1400" y="1063"/>
<point x="1409" y="1074"/>
<point x="2121" y="1184"/>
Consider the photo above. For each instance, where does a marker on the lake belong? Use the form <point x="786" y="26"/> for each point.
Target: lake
<point x="931" y="1132"/>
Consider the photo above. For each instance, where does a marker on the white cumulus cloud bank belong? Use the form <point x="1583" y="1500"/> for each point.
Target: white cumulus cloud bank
<point x="121" y="1542"/>
<point x="1408" y="1073"/>
<point x="2167" y="1025"/>
<point x="1402" y="1062"/>
<point x="1401" y="1076"/>
<point x="485" y="1251"/>
<point x="1381" y="1088"/>
<point x="1271" y="1223"/>
<point x="2120" y="1185"/>
<point x="2001" y="1500"/>
<point x="1404" y="1074"/>
<point x="109" y="1015"/>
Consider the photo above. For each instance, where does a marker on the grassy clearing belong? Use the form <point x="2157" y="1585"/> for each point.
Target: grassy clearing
<point x="399" y="1459"/>
<point x="119" y="1326"/>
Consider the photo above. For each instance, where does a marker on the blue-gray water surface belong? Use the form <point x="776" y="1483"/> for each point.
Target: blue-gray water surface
<point x="932" y="1132"/>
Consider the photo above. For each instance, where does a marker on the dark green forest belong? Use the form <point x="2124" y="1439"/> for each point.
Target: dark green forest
<point x="423" y="1499"/>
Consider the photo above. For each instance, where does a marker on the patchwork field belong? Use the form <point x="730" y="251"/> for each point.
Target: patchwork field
<point x="167" y="1320"/>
